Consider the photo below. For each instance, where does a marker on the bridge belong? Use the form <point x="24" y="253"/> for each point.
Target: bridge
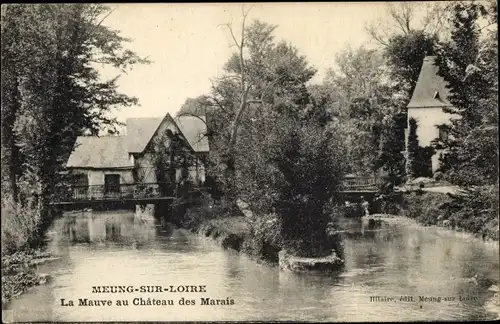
<point x="150" y="193"/>
<point x="139" y="193"/>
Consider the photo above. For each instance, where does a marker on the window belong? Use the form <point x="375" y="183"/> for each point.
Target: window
<point x="111" y="183"/>
<point x="81" y="186"/>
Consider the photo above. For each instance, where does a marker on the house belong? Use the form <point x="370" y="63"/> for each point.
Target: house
<point x="426" y="107"/>
<point x="115" y="165"/>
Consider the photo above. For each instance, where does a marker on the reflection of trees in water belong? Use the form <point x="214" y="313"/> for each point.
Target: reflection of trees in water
<point x="113" y="230"/>
<point x="75" y="229"/>
<point x="233" y="266"/>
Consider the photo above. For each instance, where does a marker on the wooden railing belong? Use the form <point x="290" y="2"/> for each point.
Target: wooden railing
<point x="124" y="191"/>
<point x="362" y="184"/>
<point x="154" y="190"/>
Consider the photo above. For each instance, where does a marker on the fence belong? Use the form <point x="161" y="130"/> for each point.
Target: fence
<point x="362" y="184"/>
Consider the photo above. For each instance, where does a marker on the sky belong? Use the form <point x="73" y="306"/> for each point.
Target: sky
<point x="189" y="44"/>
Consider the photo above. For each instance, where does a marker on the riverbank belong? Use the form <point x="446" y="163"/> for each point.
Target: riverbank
<point x="440" y="209"/>
<point x="442" y="230"/>
<point x="260" y="239"/>
<point x="237" y="233"/>
<point x="229" y="232"/>
<point x="19" y="272"/>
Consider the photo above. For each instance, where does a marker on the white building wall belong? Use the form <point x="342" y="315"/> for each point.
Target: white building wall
<point x="428" y="119"/>
<point x="96" y="176"/>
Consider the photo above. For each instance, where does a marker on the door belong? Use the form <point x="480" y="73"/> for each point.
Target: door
<point x="111" y="184"/>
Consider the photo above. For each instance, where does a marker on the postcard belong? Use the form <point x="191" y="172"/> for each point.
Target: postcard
<point x="195" y="162"/>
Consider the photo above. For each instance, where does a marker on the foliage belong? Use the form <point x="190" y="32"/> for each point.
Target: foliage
<point x="18" y="274"/>
<point x="468" y="65"/>
<point x="356" y="98"/>
<point x="419" y="158"/>
<point x="52" y="92"/>
<point x="265" y="240"/>
<point x="171" y="153"/>
<point x="20" y="226"/>
<point x="263" y="99"/>
<point x="195" y="106"/>
<point x="426" y="208"/>
<point x="475" y="212"/>
<point x="392" y="203"/>
<point x="391" y="158"/>
<point x="402" y="17"/>
<point x="405" y="54"/>
<point x="271" y="81"/>
<point x="204" y="210"/>
<point x="310" y="169"/>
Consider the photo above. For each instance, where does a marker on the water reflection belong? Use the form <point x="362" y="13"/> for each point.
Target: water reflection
<point x="120" y="247"/>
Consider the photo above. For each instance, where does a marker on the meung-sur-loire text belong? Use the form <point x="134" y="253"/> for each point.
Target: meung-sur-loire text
<point x="141" y="301"/>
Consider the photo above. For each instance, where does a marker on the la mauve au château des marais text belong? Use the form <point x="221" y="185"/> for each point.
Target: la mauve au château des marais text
<point x="148" y="301"/>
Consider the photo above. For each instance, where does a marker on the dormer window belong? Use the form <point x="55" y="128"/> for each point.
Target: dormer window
<point x="436" y="95"/>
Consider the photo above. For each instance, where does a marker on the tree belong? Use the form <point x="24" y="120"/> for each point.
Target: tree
<point x="406" y="17"/>
<point x="356" y="98"/>
<point x="262" y="79"/>
<point x="413" y="148"/>
<point x="404" y="54"/>
<point x="470" y="156"/>
<point x="391" y="158"/>
<point x="469" y="63"/>
<point x="279" y="121"/>
<point x="195" y="106"/>
<point x="418" y="162"/>
<point x="310" y="168"/>
<point x="51" y="91"/>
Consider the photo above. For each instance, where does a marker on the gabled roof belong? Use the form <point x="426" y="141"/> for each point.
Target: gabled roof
<point x="100" y="152"/>
<point x="194" y="129"/>
<point x="140" y="131"/>
<point x="430" y="90"/>
<point x="113" y="151"/>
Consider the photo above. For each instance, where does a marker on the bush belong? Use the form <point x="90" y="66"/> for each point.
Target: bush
<point x="204" y="209"/>
<point x="438" y="176"/>
<point x="311" y="166"/>
<point x="17" y="272"/>
<point x="265" y="240"/>
<point x="392" y="203"/>
<point x="427" y="208"/>
<point x="20" y="226"/>
<point x="476" y="211"/>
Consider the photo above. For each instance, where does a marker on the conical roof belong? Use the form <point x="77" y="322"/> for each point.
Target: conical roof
<point x="430" y="90"/>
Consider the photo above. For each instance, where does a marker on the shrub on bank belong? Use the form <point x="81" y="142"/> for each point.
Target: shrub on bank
<point x="392" y="203"/>
<point x="476" y="211"/>
<point x="265" y="240"/>
<point x="18" y="273"/>
<point x="20" y="226"/>
<point x="427" y="208"/>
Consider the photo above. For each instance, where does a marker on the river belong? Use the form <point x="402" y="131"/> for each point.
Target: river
<point x="115" y="248"/>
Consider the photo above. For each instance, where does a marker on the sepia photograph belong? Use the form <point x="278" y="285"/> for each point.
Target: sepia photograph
<point x="250" y="162"/>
